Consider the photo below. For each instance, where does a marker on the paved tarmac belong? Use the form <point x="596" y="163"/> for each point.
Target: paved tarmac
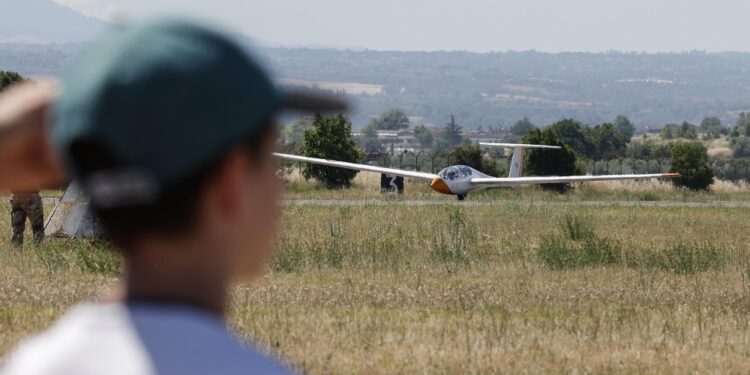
<point x="469" y="203"/>
<point x="530" y="203"/>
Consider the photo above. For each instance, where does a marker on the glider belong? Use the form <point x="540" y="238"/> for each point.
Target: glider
<point x="459" y="180"/>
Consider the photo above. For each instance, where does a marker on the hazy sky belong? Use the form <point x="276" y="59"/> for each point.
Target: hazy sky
<point x="475" y="25"/>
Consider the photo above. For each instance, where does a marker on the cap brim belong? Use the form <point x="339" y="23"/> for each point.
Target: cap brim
<point x="306" y="101"/>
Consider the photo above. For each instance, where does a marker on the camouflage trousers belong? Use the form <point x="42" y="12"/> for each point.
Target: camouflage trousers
<point x="23" y="206"/>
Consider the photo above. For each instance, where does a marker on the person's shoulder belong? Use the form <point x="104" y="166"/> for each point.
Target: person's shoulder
<point x="73" y="345"/>
<point x="121" y="339"/>
<point x="184" y="340"/>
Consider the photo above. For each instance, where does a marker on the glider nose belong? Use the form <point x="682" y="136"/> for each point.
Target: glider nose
<point x="440" y="186"/>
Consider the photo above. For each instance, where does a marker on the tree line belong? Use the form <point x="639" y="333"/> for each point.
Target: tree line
<point x="330" y="137"/>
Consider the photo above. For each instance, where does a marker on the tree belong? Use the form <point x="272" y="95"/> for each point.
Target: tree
<point x="688" y="130"/>
<point x="330" y="137"/>
<point x="711" y="127"/>
<point x="690" y="160"/>
<point x="522" y="127"/>
<point x="685" y="130"/>
<point x="667" y="132"/>
<point x="473" y="156"/>
<point x="451" y="136"/>
<point x="575" y="135"/>
<point x="424" y="136"/>
<point x="742" y="126"/>
<point x="624" y="128"/>
<point x="8" y="79"/>
<point x="740" y="146"/>
<point x="541" y="162"/>
<point x="607" y="142"/>
<point x="391" y="120"/>
<point x="370" y="142"/>
<point x="648" y="150"/>
<point x="294" y="132"/>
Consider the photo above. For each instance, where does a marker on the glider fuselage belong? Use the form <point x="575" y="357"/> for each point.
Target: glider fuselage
<point x="456" y="180"/>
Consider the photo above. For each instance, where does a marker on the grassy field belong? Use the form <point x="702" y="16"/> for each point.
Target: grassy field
<point x="367" y="187"/>
<point x="449" y="289"/>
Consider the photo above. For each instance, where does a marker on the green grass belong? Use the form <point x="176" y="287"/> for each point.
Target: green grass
<point x="579" y="246"/>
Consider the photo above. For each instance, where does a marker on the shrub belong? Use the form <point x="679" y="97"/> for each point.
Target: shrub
<point x="576" y="228"/>
<point x="8" y="79"/>
<point x="558" y="253"/>
<point x="457" y="242"/>
<point x="681" y="258"/>
<point x="580" y="247"/>
<point x="690" y="160"/>
<point x="542" y="162"/>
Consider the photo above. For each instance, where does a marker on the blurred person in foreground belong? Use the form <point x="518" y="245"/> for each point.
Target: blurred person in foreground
<point x="169" y="128"/>
<point x="27" y="160"/>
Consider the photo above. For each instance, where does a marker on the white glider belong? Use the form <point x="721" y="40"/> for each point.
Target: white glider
<point x="460" y="180"/>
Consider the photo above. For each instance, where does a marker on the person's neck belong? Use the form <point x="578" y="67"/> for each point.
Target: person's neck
<point x="177" y="272"/>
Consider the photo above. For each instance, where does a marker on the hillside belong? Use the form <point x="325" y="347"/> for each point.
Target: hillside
<point x="499" y="88"/>
<point x="43" y="21"/>
<point x="494" y="89"/>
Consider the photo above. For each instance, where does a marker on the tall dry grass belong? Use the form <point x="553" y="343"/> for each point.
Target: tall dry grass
<point x="367" y="187"/>
<point x="447" y="289"/>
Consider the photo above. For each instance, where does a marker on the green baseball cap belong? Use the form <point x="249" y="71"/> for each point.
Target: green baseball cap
<point x="164" y="98"/>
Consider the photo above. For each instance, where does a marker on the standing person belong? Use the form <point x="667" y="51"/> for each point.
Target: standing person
<point x="25" y="205"/>
<point x="169" y="129"/>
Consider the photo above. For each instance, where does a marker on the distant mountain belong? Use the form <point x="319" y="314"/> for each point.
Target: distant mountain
<point x="44" y="21"/>
<point x="497" y="89"/>
<point x="491" y="89"/>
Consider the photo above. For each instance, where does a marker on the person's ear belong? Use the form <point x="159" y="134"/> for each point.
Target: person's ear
<point x="226" y="190"/>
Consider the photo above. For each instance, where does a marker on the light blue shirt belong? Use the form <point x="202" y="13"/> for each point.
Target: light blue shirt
<point x="139" y="339"/>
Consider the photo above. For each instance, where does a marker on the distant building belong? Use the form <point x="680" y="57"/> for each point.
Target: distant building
<point x="396" y="140"/>
<point x="403" y="140"/>
<point x="477" y="136"/>
<point x="654" y="129"/>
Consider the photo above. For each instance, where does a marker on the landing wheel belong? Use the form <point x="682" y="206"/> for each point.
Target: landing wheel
<point x="461" y="197"/>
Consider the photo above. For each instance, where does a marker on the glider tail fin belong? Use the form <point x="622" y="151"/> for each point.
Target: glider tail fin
<point x="517" y="162"/>
<point x="519" y="153"/>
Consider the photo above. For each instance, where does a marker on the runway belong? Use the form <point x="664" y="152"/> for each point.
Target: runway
<point x="529" y="203"/>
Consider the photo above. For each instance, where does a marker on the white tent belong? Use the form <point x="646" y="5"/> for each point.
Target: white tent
<point x="71" y="217"/>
